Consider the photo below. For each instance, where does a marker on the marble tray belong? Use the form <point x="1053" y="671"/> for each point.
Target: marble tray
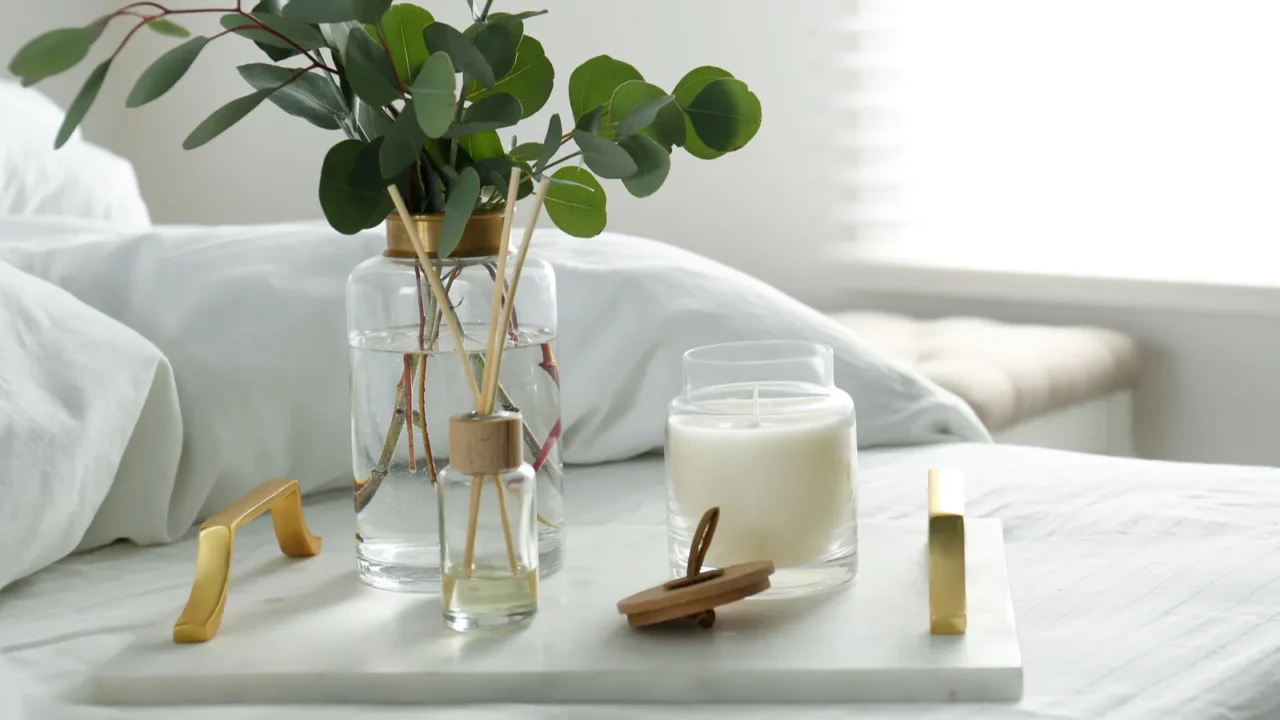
<point x="309" y="631"/>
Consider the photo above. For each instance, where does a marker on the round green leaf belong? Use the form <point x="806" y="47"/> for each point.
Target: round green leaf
<point x="653" y="161"/>
<point x="349" y="198"/>
<point x="372" y="76"/>
<point x="312" y="96"/>
<point x="498" y="42"/>
<point x="482" y="146"/>
<point x="223" y="118"/>
<point x="638" y="103"/>
<point x="402" y="26"/>
<point x="531" y="79"/>
<point x="457" y="210"/>
<point x="441" y="37"/>
<point x="725" y="114"/>
<point x="165" y="72"/>
<point x="550" y="143"/>
<point x="165" y="27"/>
<point x="433" y="91"/>
<point x="526" y="152"/>
<point x="592" y="84"/>
<point x="321" y="11"/>
<point x="370" y="12"/>
<point x="577" y="209"/>
<point x="80" y="105"/>
<point x="605" y="157"/>
<point x="686" y="90"/>
<point x="488" y="113"/>
<point x="54" y="52"/>
<point x="402" y="145"/>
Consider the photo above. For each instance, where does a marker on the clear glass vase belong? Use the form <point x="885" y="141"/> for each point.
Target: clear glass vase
<point x="761" y="432"/>
<point x="399" y="339"/>
<point x="488" y="526"/>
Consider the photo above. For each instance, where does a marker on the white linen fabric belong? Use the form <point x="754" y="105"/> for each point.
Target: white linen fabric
<point x="89" y="427"/>
<point x="1142" y="590"/>
<point x="78" y="180"/>
<point x="252" y="321"/>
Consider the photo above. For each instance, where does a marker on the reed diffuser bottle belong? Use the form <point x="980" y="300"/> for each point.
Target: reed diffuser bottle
<point x="488" y="525"/>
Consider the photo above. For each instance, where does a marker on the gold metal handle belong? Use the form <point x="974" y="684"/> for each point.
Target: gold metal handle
<point x="202" y="616"/>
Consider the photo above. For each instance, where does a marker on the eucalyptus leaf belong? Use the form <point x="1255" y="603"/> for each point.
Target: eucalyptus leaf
<point x="515" y="24"/>
<point x="527" y="152"/>
<point x="498" y="43"/>
<point x="433" y="91"/>
<point x="686" y="90"/>
<point x="594" y="81"/>
<point x="490" y="113"/>
<point x="348" y="199"/>
<point x="372" y="76"/>
<point x="641" y="107"/>
<point x="458" y="206"/>
<point x="321" y="11"/>
<point x="336" y="34"/>
<point x="522" y="16"/>
<point x="372" y="121"/>
<point x="402" y="145"/>
<point x="725" y="114"/>
<point x="370" y="11"/>
<point x="167" y="27"/>
<point x="223" y="118"/>
<point x="531" y="78"/>
<point x="402" y="27"/>
<point x="311" y="96"/>
<point x="273" y="7"/>
<point x="80" y="105"/>
<point x="499" y="166"/>
<point x="54" y="52"/>
<point x="165" y="72"/>
<point x="605" y="157"/>
<point x="578" y="205"/>
<point x="550" y="144"/>
<point x="300" y="33"/>
<point x="653" y="161"/>
<point x="591" y="120"/>
<point x="482" y="146"/>
<point x="441" y="37"/>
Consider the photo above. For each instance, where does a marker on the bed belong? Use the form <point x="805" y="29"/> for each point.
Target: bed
<point x="1143" y="589"/>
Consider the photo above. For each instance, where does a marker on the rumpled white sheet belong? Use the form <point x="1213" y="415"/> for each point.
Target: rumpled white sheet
<point x="1144" y="590"/>
<point x="251" y="320"/>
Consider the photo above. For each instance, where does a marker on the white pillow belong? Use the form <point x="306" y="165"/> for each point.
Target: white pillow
<point x="252" y="321"/>
<point x="89" y="428"/>
<point x="79" y="180"/>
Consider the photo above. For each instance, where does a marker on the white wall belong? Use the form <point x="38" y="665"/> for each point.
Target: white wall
<point x="744" y="208"/>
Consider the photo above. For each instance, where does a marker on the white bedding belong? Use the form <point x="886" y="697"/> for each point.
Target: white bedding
<point x="1143" y="590"/>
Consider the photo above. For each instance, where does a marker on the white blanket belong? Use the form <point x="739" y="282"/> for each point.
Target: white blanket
<point x="251" y="320"/>
<point x="1143" y="590"/>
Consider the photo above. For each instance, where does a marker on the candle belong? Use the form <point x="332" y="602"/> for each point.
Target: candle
<point x="784" y="483"/>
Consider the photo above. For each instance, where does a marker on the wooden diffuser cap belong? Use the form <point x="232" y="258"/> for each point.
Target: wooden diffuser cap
<point x="485" y="444"/>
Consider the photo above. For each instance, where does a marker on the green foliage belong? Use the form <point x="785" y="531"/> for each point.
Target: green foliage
<point x="311" y="96"/>
<point x="594" y="82"/>
<point x="167" y="69"/>
<point x="402" y="27"/>
<point x="421" y="103"/>
<point x="80" y="105"/>
<point x="577" y="208"/>
<point x="54" y="52"/>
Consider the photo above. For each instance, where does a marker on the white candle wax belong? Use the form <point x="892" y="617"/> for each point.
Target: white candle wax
<point x="784" y="483"/>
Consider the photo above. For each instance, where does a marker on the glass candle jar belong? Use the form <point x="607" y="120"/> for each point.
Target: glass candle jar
<point x="399" y="339"/>
<point x="761" y="432"/>
<point x="488" y="525"/>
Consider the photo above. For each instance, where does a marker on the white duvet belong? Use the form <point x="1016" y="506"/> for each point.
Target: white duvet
<point x="1143" y="590"/>
<point x="171" y="370"/>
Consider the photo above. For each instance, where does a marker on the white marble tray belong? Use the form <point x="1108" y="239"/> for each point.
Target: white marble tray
<point x="309" y="631"/>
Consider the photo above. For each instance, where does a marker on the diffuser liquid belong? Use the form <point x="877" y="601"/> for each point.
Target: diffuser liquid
<point x="397" y="538"/>
<point x="491" y="597"/>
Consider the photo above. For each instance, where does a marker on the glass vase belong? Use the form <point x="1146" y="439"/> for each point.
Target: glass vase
<point x="407" y="380"/>
<point x="761" y="432"/>
<point x="488" y="525"/>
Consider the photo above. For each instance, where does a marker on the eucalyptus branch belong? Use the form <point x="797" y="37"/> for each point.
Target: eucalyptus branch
<point x="484" y="14"/>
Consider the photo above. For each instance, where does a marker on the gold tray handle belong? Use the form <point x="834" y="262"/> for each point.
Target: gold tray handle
<point x="202" y="616"/>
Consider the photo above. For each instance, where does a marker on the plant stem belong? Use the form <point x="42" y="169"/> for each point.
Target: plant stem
<point x="484" y="14"/>
<point x="566" y="158"/>
<point x="407" y="382"/>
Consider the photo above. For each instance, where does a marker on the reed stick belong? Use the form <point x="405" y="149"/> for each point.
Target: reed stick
<point x="437" y="289"/>
<point x="500" y="276"/>
<point x="539" y="197"/>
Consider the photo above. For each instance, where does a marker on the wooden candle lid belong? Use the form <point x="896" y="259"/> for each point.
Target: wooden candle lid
<point x="696" y="595"/>
<point x="485" y="444"/>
